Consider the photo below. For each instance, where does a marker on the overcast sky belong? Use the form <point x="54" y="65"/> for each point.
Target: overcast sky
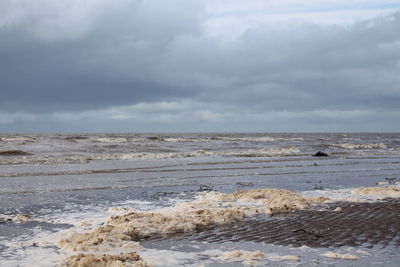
<point x="199" y="65"/>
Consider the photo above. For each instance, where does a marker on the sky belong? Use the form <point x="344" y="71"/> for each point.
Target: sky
<point x="199" y="66"/>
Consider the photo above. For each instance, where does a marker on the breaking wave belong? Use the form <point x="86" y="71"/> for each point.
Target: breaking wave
<point x="81" y="139"/>
<point x="17" y="139"/>
<point x="223" y="138"/>
<point x="220" y="138"/>
<point x="77" y="138"/>
<point x="78" y="159"/>
<point x="359" y="146"/>
<point x="258" y="139"/>
<point x="284" y="151"/>
<point x="110" y="140"/>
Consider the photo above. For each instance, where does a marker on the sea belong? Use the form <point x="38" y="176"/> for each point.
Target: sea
<point x="55" y="185"/>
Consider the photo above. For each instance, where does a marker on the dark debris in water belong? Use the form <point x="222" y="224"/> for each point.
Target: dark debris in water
<point x="159" y="195"/>
<point x="74" y="138"/>
<point x="320" y="154"/>
<point x="244" y="184"/>
<point x="14" y="153"/>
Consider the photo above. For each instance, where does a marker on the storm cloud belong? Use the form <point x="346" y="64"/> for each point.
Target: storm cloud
<point x="158" y="66"/>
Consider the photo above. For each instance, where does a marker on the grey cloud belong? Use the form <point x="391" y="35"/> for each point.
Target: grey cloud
<point x="201" y="117"/>
<point x="110" y="65"/>
<point x="137" y="52"/>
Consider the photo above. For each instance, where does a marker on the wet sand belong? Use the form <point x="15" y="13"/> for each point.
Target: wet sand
<point x="357" y="224"/>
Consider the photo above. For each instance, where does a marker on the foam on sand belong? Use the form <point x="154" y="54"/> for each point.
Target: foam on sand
<point x="131" y="259"/>
<point x="207" y="210"/>
<point x="285" y="257"/>
<point x="242" y="255"/>
<point x="361" y="194"/>
<point x="249" y="257"/>
<point x="123" y="231"/>
<point x="270" y="200"/>
<point x="346" y="256"/>
<point x="378" y="192"/>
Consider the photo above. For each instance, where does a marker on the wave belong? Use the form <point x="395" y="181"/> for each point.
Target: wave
<point x="17" y="139"/>
<point x="258" y="139"/>
<point x="360" y="194"/>
<point x="77" y="138"/>
<point x="80" y="139"/>
<point x="82" y="159"/>
<point x="223" y="138"/>
<point x="283" y="151"/>
<point x="180" y="139"/>
<point x="110" y="140"/>
<point x="359" y="146"/>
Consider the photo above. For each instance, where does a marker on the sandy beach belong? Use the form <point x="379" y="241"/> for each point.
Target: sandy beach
<point x="199" y="199"/>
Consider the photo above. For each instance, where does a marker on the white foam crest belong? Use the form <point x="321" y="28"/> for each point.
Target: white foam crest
<point x="180" y="139"/>
<point x="359" y="146"/>
<point x="281" y="151"/>
<point x="82" y="159"/>
<point x="110" y="140"/>
<point x="260" y="139"/>
<point x="224" y="138"/>
<point x="76" y="159"/>
<point x="17" y="139"/>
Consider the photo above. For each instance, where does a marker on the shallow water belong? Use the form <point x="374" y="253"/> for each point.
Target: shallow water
<point x="67" y="179"/>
